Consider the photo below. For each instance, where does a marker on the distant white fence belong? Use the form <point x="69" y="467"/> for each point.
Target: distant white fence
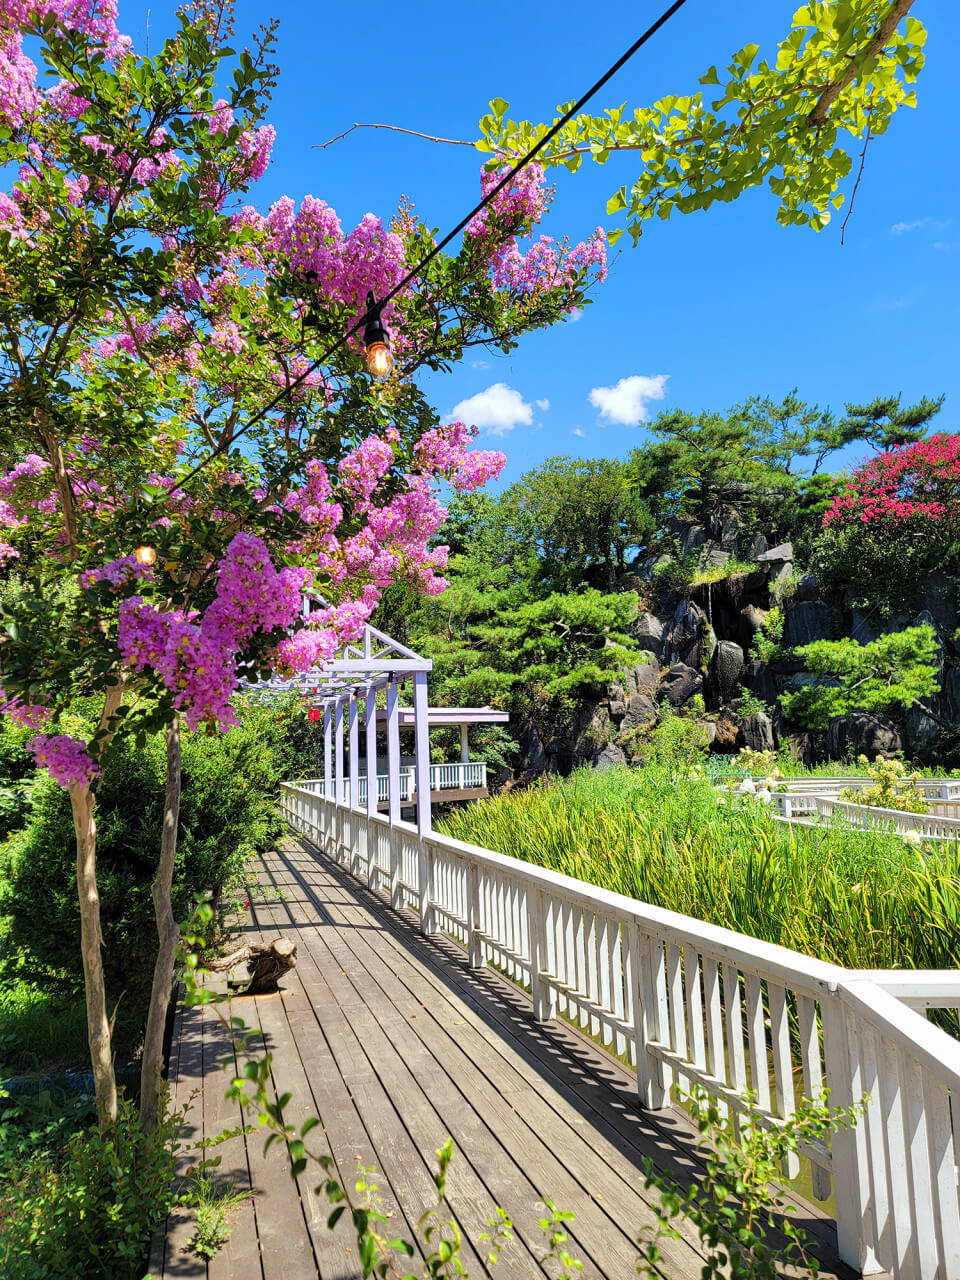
<point x="686" y="1002"/>
<point x="461" y="776"/>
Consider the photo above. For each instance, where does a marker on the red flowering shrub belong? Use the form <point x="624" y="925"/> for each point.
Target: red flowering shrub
<point x="897" y="520"/>
<point x="919" y="482"/>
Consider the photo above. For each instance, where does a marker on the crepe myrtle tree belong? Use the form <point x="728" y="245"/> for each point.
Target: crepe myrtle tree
<point x="147" y="315"/>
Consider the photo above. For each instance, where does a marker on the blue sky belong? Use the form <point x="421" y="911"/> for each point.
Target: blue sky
<point x="716" y="306"/>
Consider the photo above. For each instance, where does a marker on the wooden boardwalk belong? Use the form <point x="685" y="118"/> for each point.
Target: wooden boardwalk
<point x="396" y="1044"/>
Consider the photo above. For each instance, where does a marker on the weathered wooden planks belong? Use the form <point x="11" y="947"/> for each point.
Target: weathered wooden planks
<point x="395" y="1043"/>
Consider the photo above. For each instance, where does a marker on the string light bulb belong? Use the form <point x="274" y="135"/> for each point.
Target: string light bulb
<point x="145" y="556"/>
<point x="379" y="356"/>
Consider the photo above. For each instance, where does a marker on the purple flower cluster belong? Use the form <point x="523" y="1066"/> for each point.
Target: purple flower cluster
<point x="32" y="715"/>
<point x="117" y="572"/>
<point x="344" y="268"/>
<point x="196" y="659"/>
<point x="64" y="758"/>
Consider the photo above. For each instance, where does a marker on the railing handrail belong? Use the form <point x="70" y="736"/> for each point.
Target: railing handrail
<point x="756" y="953"/>
<point x="696" y="1003"/>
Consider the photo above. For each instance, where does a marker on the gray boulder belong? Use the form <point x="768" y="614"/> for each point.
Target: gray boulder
<point x="781" y="554"/>
<point x="608" y="757"/>
<point x="859" y="733"/>
<point x="757" y="732"/>
<point x="729" y="532"/>
<point x="756" y="547"/>
<point x="727" y="668"/>
<point x="803" y="747"/>
<point x="808" y="588"/>
<point x="651" y="564"/>
<point x="686" y="634"/>
<point x="951" y="693"/>
<point x="679" y="685"/>
<point x="921" y="732"/>
<point x="753" y="617"/>
<point x="641" y="711"/>
<point x="642" y="678"/>
<point x="861" y="627"/>
<point x="647" y="629"/>
<point x="693" y="539"/>
<point x="938" y="597"/>
<point x="713" y="556"/>
<point x="808" y="620"/>
<point x="759" y="679"/>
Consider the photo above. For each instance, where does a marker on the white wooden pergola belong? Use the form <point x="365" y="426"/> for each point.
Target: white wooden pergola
<point x="340" y="686"/>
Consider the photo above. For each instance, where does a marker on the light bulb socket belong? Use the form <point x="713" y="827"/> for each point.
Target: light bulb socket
<point x="376" y="341"/>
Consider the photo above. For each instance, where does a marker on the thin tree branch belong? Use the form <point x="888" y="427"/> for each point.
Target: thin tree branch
<point x="856" y="186"/>
<point x="394" y="128"/>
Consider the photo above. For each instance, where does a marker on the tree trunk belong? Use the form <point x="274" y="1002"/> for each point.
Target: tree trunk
<point x="99" y="1029"/>
<point x="168" y="936"/>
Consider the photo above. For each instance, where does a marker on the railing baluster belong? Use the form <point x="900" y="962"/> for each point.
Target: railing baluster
<point x="782" y="1064"/>
<point x="812" y="1077"/>
<point x="678" y="1022"/>
<point x="714" y="1020"/>
<point x="756" y="1033"/>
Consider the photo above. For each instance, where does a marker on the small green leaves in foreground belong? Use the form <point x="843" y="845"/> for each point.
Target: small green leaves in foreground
<point x="742" y="1224"/>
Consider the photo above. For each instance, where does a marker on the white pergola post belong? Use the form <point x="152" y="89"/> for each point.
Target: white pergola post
<point x="327" y="750"/>
<point x="370" y="724"/>
<point x="353" y="709"/>
<point x="393" y="775"/>
<point x="421" y="725"/>
<point x="338" y="729"/>
<point x="464" y="747"/>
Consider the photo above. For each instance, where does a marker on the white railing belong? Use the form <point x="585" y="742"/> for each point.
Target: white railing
<point x="689" y="1003"/>
<point x="862" y="815"/>
<point x="443" y="777"/>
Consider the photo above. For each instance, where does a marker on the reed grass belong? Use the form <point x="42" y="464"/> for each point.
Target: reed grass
<point x="860" y="898"/>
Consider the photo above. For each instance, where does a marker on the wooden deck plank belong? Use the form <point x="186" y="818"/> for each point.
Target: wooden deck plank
<point x="604" y="1088"/>
<point x="491" y="1131"/>
<point x="240" y="1256"/>
<point x="399" y="1156"/>
<point x="395" y="1043"/>
<point x="180" y="1262"/>
<point x="417" y="1090"/>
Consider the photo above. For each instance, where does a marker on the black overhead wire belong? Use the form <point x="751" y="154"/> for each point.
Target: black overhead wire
<point x="415" y="271"/>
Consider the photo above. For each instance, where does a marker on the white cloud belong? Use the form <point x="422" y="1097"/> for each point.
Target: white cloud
<point x="543" y="405"/>
<point x="626" y="403"/>
<point x="497" y="410"/>
<point x="900" y="228"/>
<point x="579" y="432"/>
<point x="479" y="364"/>
<point x="574" y="316"/>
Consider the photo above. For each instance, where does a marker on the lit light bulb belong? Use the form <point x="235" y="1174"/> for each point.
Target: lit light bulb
<point x="146" y="555"/>
<point x="379" y="356"/>
<point x="380" y="360"/>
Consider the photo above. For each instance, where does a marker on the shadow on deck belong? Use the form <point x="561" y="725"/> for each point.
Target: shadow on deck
<point x="396" y="1043"/>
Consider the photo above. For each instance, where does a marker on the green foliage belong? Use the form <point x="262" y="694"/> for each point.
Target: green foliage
<point x="211" y="1202"/>
<point x="766" y="642"/>
<point x="677" y="742"/>
<point x="880" y="566"/>
<point x="743" y="1227"/>
<point x="89" y="1210"/>
<point x="228" y="810"/>
<point x="786" y="123"/>
<point x="39" y="1030"/>
<point x="858" y="898"/>
<point x="582" y="517"/>
<point x="893" y="671"/>
<point x="892" y="787"/>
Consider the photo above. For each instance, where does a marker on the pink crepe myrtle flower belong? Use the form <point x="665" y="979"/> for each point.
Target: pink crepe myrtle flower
<point x="64" y="758"/>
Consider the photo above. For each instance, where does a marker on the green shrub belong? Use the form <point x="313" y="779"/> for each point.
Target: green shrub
<point x="89" y="1213"/>
<point x="228" y="811"/>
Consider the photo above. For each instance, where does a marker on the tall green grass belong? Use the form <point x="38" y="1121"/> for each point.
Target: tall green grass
<point x="858" y="898"/>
